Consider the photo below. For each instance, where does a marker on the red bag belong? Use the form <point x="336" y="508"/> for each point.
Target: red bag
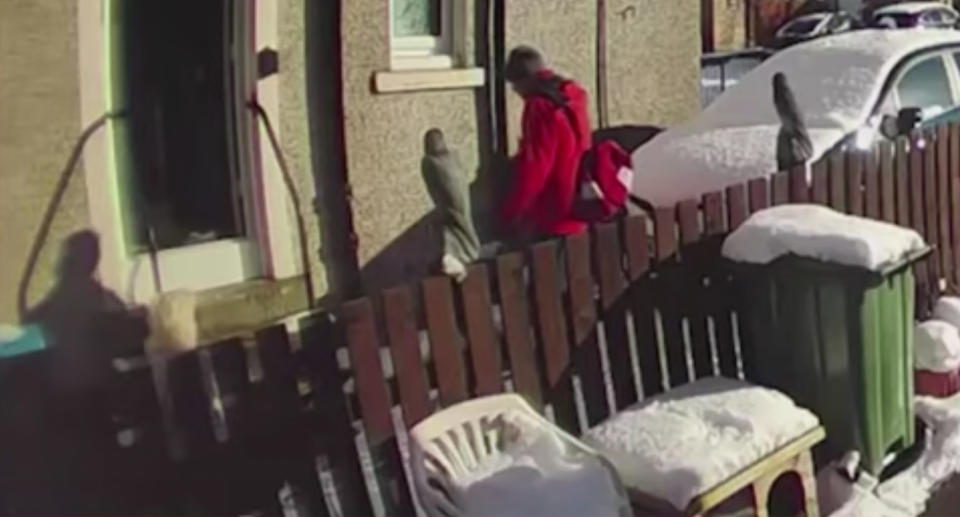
<point x="605" y="177"/>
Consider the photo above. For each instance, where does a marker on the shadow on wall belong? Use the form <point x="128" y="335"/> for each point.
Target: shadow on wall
<point x="56" y="435"/>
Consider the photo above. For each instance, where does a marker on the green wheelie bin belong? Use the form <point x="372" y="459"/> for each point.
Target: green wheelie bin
<point x="839" y="341"/>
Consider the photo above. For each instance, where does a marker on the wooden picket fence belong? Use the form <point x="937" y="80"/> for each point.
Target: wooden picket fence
<point x="317" y="412"/>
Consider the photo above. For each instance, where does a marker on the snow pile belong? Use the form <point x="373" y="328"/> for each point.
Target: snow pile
<point x="936" y="347"/>
<point x="837" y="81"/>
<point x="947" y="309"/>
<point x="678" y="445"/>
<point x="820" y="233"/>
<point x="906" y="494"/>
<point x="536" y="475"/>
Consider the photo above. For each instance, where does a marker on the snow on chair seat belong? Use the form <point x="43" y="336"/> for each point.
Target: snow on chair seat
<point x="692" y="447"/>
<point x="496" y="456"/>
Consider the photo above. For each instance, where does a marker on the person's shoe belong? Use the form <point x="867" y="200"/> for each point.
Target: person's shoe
<point x="452" y="267"/>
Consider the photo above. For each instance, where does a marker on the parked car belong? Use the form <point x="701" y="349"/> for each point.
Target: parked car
<point x="814" y="25"/>
<point x="852" y="90"/>
<point x="926" y="15"/>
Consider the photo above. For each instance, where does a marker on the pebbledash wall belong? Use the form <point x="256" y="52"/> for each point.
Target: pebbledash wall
<point x="350" y="125"/>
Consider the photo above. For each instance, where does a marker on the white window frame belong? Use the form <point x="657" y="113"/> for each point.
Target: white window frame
<point x="427" y="52"/>
<point x="267" y="250"/>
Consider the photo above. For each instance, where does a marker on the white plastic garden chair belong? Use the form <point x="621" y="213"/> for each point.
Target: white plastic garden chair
<point x="456" y="443"/>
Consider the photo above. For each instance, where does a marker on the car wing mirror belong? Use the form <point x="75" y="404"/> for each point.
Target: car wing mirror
<point x="908" y="119"/>
<point x="888" y="127"/>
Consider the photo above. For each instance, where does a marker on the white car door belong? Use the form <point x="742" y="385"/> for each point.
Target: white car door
<point x="928" y="82"/>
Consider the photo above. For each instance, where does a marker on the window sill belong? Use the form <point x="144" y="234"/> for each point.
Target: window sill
<point x="245" y="307"/>
<point x="420" y="80"/>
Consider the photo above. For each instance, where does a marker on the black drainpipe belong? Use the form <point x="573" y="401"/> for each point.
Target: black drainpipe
<point x="602" y="112"/>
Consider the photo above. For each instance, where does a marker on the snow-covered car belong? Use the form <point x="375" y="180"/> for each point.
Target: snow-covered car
<point x="925" y="15"/>
<point x="814" y="25"/>
<point x="852" y="89"/>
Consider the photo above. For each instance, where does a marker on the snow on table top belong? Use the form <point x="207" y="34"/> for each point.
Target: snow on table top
<point x="537" y="476"/>
<point x="837" y="81"/>
<point x="680" y="444"/>
<point x="936" y="347"/>
<point x="820" y="233"/>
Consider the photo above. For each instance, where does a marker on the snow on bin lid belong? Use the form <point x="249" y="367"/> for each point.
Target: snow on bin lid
<point x="936" y="347"/>
<point x="678" y="445"/>
<point x="820" y="233"/>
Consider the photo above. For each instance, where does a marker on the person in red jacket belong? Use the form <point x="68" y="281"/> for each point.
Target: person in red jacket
<point x="555" y="133"/>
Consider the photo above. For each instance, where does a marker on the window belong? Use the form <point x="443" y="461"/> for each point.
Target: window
<point x="184" y="183"/>
<point x="931" y="18"/>
<point x="926" y="86"/>
<point x="948" y="17"/>
<point x="421" y="34"/>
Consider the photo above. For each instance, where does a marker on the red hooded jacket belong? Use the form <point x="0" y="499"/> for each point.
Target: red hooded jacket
<point x="547" y="165"/>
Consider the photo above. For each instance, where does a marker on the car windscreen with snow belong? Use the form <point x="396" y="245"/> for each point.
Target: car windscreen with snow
<point x="802" y="27"/>
<point x="837" y="83"/>
<point x="895" y="21"/>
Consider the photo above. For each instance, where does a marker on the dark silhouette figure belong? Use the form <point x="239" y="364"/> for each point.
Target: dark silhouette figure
<point x="57" y="442"/>
<point x="450" y="192"/>
<point x="793" y="141"/>
<point x="70" y="314"/>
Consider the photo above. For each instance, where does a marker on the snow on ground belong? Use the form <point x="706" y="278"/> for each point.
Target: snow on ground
<point x="820" y="233"/>
<point x="906" y="494"/>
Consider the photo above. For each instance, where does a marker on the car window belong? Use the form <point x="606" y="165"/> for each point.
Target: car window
<point x="948" y="17"/>
<point x="801" y="26"/>
<point x="926" y="86"/>
<point x="836" y="22"/>
<point x="930" y="17"/>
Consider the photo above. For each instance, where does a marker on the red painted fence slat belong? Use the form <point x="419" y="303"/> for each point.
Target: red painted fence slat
<point x="855" y="183"/>
<point x="375" y="405"/>
<point x="445" y="341"/>
<point x="943" y="202"/>
<point x="781" y="188"/>
<point x="405" y="352"/>
<point x="718" y="291"/>
<point x="587" y="356"/>
<point x="954" y="187"/>
<point x="759" y="194"/>
<point x="736" y="205"/>
<point x="644" y="322"/>
<point x="887" y="172"/>
<point x="838" y="182"/>
<point x="483" y="343"/>
<point x="902" y="161"/>
<point x="517" y="327"/>
<point x="871" y="186"/>
<point x="799" y="189"/>
<point x="820" y="179"/>
<point x="695" y="267"/>
<point x="666" y="286"/>
<point x="608" y="258"/>
<point x="553" y="333"/>
<point x="322" y="337"/>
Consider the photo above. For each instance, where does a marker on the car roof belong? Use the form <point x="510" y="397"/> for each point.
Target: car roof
<point x="910" y="8"/>
<point x="812" y="16"/>
<point x="835" y="79"/>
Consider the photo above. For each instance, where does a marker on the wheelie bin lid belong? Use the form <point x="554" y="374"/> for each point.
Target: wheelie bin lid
<point x="817" y="236"/>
